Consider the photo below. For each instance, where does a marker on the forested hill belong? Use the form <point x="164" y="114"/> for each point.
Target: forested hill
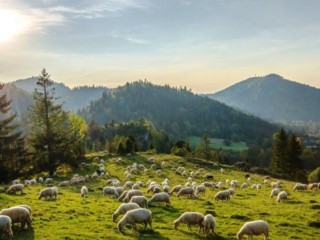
<point x="177" y="111"/>
<point x="73" y="99"/>
<point x="273" y="97"/>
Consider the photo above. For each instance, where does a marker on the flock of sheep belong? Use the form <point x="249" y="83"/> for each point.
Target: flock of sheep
<point x="135" y="205"/>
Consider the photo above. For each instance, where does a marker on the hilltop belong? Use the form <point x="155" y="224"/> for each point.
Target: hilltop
<point x="274" y="98"/>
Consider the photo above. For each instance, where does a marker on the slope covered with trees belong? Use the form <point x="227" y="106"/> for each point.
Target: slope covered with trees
<point x="178" y="112"/>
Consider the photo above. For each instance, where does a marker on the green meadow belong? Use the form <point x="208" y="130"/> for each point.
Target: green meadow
<point x="72" y="217"/>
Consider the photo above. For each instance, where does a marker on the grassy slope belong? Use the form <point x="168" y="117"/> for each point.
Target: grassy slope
<point x="71" y="217"/>
<point x="217" y="143"/>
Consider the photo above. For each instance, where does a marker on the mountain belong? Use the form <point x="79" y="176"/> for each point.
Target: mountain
<point x="177" y="111"/>
<point x="274" y="98"/>
<point x="73" y="99"/>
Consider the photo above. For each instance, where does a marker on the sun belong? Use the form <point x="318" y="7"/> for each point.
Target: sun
<point x="11" y="23"/>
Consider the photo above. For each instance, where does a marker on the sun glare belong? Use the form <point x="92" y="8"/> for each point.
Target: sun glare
<point x="11" y="23"/>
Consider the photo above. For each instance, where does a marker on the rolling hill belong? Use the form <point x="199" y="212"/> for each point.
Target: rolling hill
<point x="178" y="112"/>
<point x="274" y="98"/>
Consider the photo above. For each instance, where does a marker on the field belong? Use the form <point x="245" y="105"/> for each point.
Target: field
<point x="217" y="143"/>
<point x="72" y="217"/>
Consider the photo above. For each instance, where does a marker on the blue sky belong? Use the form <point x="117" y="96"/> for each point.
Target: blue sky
<point x="206" y="45"/>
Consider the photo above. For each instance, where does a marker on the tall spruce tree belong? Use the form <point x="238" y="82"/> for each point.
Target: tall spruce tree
<point x="49" y="127"/>
<point x="279" y="161"/>
<point x="12" y="151"/>
<point x="294" y="161"/>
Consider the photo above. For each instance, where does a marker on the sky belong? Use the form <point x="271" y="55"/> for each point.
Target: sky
<point x="206" y="45"/>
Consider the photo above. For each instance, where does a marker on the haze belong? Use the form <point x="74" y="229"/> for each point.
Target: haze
<point x="204" y="45"/>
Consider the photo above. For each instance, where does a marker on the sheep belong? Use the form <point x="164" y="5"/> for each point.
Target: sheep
<point x="221" y="170"/>
<point x="254" y="186"/>
<point x="300" y="187"/>
<point x="48" y="180"/>
<point x="152" y="188"/>
<point x="158" y="172"/>
<point x="274" y="192"/>
<point x="257" y="227"/>
<point x="208" y="184"/>
<point x="219" y="185"/>
<point x="266" y="181"/>
<point x="84" y="191"/>
<point x="200" y="189"/>
<point x="135" y="186"/>
<point x="275" y="185"/>
<point x="166" y="189"/>
<point x="64" y="184"/>
<point x="244" y="185"/>
<point x="5" y="226"/>
<point x="282" y="196"/>
<point x="119" y="190"/>
<point x="40" y="179"/>
<point x="190" y="218"/>
<point x="18" y="214"/>
<point x="134" y="216"/>
<point x="128" y="185"/>
<point x="26" y="207"/>
<point x="17" y="181"/>
<point x="208" y="223"/>
<point x="78" y="180"/>
<point x="110" y="191"/>
<point x="15" y="188"/>
<point x="160" y="197"/>
<point x="45" y="193"/>
<point x="208" y="176"/>
<point x="176" y="189"/>
<point x="123" y="208"/>
<point x="232" y="191"/>
<point x="33" y="182"/>
<point x="26" y="182"/>
<point x="186" y="191"/>
<point x="123" y="195"/>
<point x="54" y="192"/>
<point x="132" y="193"/>
<point x="313" y="186"/>
<point x="222" y="195"/>
<point x="190" y="179"/>
<point x="142" y="201"/>
<point x="163" y="164"/>
<point x="259" y="186"/>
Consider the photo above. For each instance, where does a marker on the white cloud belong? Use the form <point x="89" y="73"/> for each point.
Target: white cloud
<point x="129" y="38"/>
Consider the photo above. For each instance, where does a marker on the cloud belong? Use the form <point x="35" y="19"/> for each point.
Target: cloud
<point x="129" y="38"/>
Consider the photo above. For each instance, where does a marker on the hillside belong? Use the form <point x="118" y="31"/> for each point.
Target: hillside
<point x="75" y="218"/>
<point x="177" y="111"/>
<point x="74" y="99"/>
<point x="274" y="98"/>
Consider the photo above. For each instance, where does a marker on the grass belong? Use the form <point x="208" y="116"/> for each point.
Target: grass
<point x="217" y="143"/>
<point x="72" y="217"/>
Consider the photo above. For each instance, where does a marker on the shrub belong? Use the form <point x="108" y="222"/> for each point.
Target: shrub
<point x="314" y="176"/>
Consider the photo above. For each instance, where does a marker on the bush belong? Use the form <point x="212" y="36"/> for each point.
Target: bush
<point x="314" y="176"/>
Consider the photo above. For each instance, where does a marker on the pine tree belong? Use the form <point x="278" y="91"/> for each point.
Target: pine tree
<point x="295" y="163"/>
<point x="120" y="149"/>
<point x="279" y="161"/>
<point x="12" y="150"/>
<point x="49" y="127"/>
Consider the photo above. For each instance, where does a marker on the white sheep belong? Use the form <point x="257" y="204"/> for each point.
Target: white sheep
<point x="200" y="189"/>
<point x="313" y="186"/>
<point x="119" y="190"/>
<point x="26" y="182"/>
<point x="160" y="197"/>
<point x="123" y="195"/>
<point x="244" y="185"/>
<point x="190" y="218"/>
<point x="134" y="216"/>
<point x="274" y="192"/>
<point x="282" y="196"/>
<point x="300" y="187"/>
<point x="54" y="192"/>
<point x="232" y="191"/>
<point x="33" y="182"/>
<point x="110" y="191"/>
<point x="166" y="189"/>
<point x="142" y="201"/>
<point x="135" y="186"/>
<point x="15" y="188"/>
<point x="16" y="181"/>
<point x="257" y="227"/>
<point x="40" y="179"/>
<point x="132" y="193"/>
<point x="209" y="224"/>
<point x="48" y="180"/>
<point x="186" y="191"/>
<point x="45" y="193"/>
<point x="84" y="191"/>
<point x="123" y="208"/>
<point x="18" y="215"/>
<point x="5" y="226"/>
<point x="64" y="184"/>
<point x="128" y="185"/>
<point x="176" y="189"/>
<point x="222" y="195"/>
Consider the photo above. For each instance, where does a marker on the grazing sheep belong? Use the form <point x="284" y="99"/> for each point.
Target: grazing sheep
<point x="33" y="182"/>
<point x="160" y="197"/>
<point x="282" y="196"/>
<point x="232" y="191"/>
<point x="244" y="185"/>
<point x="300" y="187"/>
<point x="84" y="191"/>
<point x="54" y="192"/>
<point x="26" y="182"/>
<point x="152" y="187"/>
<point x="5" y="226"/>
<point x="18" y="215"/>
<point x="176" y="189"/>
<point x="313" y="186"/>
<point x="234" y="183"/>
<point x="142" y="201"/>
<point x="134" y="216"/>
<point x="209" y="224"/>
<point x="274" y="192"/>
<point x="222" y="195"/>
<point x="26" y="207"/>
<point x="219" y="185"/>
<point x="186" y="191"/>
<point x="128" y="185"/>
<point x="208" y="184"/>
<point x="119" y="190"/>
<point x="48" y="180"/>
<point x="190" y="218"/>
<point x="123" y="208"/>
<point x="166" y="189"/>
<point x="259" y="186"/>
<point x="266" y="181"/>
<point x="15" y="188"/>
<point x="110" y="191"/>
<point x="208" y="176"/>
<point x="132" y="193"/>
<point x="275" y="184"/>
<point x="45" y="193"/>
<point x="257" y="227"/>
<point x="123" y="195"/>
<point x="135" y="186"/>
<point x="17" y="181"/>
<point x="254" y="186"/>
<point x="200" y="189"/>
<point x="64" y="184"/>
<point x="221" y="170"/>
<point x="40" y="179"/>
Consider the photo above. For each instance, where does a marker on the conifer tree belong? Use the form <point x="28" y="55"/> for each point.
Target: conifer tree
<point x="12" y="150"/>
<point x="295" y="163"/>
<point x="279" y="162"/>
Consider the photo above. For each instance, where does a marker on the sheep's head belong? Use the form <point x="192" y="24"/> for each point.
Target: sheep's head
<point x="120" y="226"/>
<point x="114" y="217"/>
<point x="176" y="224"/>
<point x="239" y="236"/>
